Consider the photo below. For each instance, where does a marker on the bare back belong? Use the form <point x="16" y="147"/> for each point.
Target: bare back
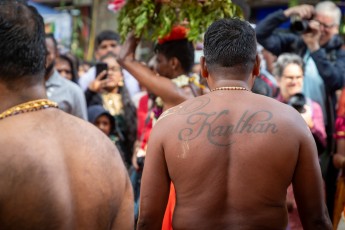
<point x="231" y="156"/>
<point x="59" y="172"/>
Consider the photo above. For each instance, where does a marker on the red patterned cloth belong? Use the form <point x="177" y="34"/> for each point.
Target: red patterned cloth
<point x="144" y="126"/>
<point x="340" y="127"/>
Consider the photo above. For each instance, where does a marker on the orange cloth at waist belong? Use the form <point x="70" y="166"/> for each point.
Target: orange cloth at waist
<point x="169" y="211"/>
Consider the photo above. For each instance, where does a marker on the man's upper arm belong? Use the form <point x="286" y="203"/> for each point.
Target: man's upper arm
<point x="155" y="184"/>
<point x="308" y="186"/>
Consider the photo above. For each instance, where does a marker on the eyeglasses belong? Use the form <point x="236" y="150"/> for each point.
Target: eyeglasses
<point x="115" y="69"/>
<point x="326" y="26"/>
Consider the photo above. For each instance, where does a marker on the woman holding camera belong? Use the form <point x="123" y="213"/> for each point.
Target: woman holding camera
<point x="288" y="69"/>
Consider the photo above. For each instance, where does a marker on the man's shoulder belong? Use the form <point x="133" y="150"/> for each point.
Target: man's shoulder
<point x="81" y="134"/>
<point x="188" y="106"/>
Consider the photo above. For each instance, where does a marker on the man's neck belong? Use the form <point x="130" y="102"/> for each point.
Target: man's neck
<point x="49" y="73"/>
<point x="10" y="98"/>
<point x="178" y="73"/>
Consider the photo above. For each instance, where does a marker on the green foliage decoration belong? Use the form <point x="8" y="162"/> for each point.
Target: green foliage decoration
<point x="152" y="19"/>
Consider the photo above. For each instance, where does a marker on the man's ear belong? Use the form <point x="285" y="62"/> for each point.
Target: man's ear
<point x="203" y="67"/>
<point x="255" y="71"/>
<point x="256" y="68"/>
<point x="175" y="63"/>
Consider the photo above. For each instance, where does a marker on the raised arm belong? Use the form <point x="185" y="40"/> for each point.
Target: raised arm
<point x="158" y="85"/>
<point x="308" y="186"/>
<point x="276" y="42"/>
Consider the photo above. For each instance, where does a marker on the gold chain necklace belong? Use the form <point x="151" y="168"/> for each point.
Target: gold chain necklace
<point x="229" y="88"/>
<point x="28" y="107"/>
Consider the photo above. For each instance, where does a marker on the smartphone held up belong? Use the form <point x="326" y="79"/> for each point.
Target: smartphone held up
<point x="100" y="67"/>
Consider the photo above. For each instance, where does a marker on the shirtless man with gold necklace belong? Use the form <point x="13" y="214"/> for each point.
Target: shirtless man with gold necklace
<point x="56" y="171"/>
<point x="231" y="154"/>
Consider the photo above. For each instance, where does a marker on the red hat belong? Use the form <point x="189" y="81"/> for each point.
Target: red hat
<point x="177" y="33"/>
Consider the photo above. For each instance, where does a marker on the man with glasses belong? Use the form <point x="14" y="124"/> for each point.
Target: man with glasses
<point x="320" y="46"/>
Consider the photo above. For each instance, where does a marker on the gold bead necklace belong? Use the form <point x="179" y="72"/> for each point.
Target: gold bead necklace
<point x="230" y="88"/>
<point x="28" y="107"/>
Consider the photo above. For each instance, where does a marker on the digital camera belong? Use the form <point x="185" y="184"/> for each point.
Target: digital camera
<point x="299" y="25"/>
<point x="298" y="101"/>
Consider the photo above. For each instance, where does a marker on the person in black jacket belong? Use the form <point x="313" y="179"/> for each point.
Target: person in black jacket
<point x="320" y="46"/>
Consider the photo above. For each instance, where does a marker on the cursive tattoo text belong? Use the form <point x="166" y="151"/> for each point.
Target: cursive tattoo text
<point x="218" y="131"/>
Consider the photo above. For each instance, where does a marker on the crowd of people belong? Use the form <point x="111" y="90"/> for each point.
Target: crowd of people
<point x="249" y="135"/>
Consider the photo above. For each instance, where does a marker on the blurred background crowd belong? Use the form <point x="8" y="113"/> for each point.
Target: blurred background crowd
<point x="303" y="65"/>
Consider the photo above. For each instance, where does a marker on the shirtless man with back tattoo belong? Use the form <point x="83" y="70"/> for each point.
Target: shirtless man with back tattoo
<point x="231" y="154"/>
<point x="56" y="171"/>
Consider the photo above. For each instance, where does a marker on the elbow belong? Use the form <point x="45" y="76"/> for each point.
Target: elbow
<point x="321" y="224"/>
<point x="146" y="224"/>
<point x="324" y="223"/>
<point x="142" y="225"/>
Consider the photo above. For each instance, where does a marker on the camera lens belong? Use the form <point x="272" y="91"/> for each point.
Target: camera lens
<point x="298" y="101"/>
<point x="299" y="25"/>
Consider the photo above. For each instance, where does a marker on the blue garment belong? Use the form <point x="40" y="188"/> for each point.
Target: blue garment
<point x="314" y="86"/>
<point x="136" y="183"/>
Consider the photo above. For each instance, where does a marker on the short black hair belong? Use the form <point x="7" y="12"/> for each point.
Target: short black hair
<point x="182" y="49"/>
<point x="230" y="42"/>
<point x="22" y="44"/>
<point x="106" y="35"/>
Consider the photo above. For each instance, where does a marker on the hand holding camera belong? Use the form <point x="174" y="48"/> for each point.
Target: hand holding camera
<point x="305" y="12"/>
<point x="312" y="36"/>
<point x="299" y="102"/>
<point x="307" y="116"/>
<point x="302" y="22"/>
<point x="300" y="17"/>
